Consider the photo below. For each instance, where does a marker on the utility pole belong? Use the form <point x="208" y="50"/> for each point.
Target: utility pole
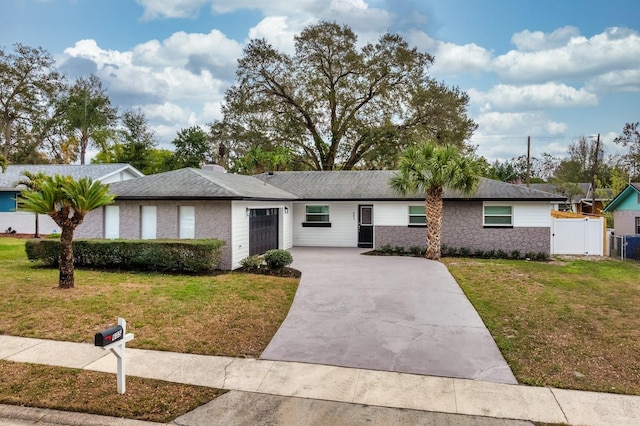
<point x="594" y="176"/>
<point x="528" y="160"/>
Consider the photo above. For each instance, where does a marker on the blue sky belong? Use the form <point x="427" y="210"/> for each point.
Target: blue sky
<point x="552" y="70"/>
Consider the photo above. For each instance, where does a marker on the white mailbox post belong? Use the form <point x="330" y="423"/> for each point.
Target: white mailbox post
<point x="114" y="339"/>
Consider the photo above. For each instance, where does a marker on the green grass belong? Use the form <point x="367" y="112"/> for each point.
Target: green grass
<point x="227" y="314"/>
<point x="568" y="323"/>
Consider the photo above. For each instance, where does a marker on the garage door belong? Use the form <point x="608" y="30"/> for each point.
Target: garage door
<point x="263" y="230"/>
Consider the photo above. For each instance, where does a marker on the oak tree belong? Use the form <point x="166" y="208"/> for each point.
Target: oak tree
<point x="336" y="105"/>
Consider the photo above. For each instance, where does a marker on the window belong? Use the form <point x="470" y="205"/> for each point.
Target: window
<point x="316" y="216"/>
<point x="417" y="216"/>
<point x="317" y="213"/>
<point x="187" y="221"/>
<point x="498" y="215"/>
<point x="148" y="222"/>
<point x="112" y="222"/>
<point x="637" y="225"/>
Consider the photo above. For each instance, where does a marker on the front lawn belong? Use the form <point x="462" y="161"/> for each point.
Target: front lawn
<point x="568" y="323"/>
<point x="228" y="314"/>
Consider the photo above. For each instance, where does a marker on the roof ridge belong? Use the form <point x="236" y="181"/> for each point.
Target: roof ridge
<point x="222" y="185"/>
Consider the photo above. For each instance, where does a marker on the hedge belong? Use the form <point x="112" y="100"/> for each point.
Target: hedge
<point x="190" y="256"/>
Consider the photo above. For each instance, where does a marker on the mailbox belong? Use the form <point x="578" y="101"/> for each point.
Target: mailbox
<point x="108" y="336"/>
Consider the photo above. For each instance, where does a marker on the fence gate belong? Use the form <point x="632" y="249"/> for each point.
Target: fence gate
<point x="577" y="236"/>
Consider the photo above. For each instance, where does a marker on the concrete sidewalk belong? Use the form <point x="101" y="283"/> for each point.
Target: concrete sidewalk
<point x="337" y="384"/>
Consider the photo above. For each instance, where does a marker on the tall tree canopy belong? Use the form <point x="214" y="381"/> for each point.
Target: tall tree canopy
<point x="630" y="138"/>
<point x="134" y="143"/>
<point x="337" y="106"/>
<point x="193" y="148"/>
<point x="29" y="87"/>
<point x="88" y="114"/>
<point x="66" y="201"/>
<point x="429" y="168"/>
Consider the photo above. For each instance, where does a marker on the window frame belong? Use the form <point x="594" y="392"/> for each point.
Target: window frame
<point x="637" y="224"/>
<point x="497" y="225"/>
<point x="317" y="223"/>
<point x="415" y="215"/>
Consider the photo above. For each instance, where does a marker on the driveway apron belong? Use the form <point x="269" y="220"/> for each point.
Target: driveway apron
<point x="389" y="313"/>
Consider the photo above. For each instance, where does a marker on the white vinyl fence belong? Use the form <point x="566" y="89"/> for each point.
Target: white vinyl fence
<point x="577" y="236"/>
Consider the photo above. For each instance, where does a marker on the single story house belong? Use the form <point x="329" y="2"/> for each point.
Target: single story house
<point x="24" y="222"/>
<point x="625" y="208"/>
<point x="331" y="209"/>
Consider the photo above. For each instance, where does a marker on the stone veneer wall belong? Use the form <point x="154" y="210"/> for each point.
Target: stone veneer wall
<point x="400" y="236"/>
<point x="462" y="227"/>
<point x="213" y="220"/>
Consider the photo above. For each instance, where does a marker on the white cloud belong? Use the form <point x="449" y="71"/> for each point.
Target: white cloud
<point x="180" y="49"/>
<point x="277" y="32"/>
<point x="518" y="123"/>
<point x="154" y="9"/>
<point x="578" y="58"/>
<point x="450" y="58"/>
<point x="89" y="49"/>
<point x="533" y="97"/>
<point x="527" y="41"/>
<point x="616" y="81"/>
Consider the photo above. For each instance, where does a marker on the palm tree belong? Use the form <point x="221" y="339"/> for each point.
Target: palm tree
<point x="32" y="183"/>
<point x="430" y="168"/>
<point x="67" y="201"/>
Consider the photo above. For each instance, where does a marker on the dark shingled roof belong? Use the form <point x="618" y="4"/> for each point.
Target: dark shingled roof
<point x="374" y="185"/>
<point x="197" y="184"/>
<point x="93" y="171"/>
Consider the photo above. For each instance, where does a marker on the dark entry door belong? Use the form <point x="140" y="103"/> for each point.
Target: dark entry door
<point x="263" y="230"/>
<point x="365" y="226"/>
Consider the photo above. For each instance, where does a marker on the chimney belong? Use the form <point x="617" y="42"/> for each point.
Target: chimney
<point x="214" y="168"/>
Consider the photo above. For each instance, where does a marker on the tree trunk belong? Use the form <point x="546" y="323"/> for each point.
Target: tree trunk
<point x="37" y="232"/>
<point x="433" y="210"/>
<point x="7" y="138"/>
<point x="66" y="259"/>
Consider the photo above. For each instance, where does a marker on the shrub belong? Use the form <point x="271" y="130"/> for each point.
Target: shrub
<point x="277" y="259"/>
<point x="501" y="254"/>
<point x="478" y="253"/>
<point x="252" y="262"/>
<point x="415" y="250"/>
<point x="187" y="256"/>
<point x="385" y="249"/>
<point x="451" y="251"/>
<point x="398" y="250"/>
<point x="515" y="254"/>
<point x="464" y="252"/>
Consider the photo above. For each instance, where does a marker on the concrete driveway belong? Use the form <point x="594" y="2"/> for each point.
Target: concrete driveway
<point x="398" y="314"/>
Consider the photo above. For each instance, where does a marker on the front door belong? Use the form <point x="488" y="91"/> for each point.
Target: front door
<point x="365" y="226"/>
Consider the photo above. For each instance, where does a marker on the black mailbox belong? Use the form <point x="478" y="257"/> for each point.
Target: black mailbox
<point x="108" y="336"/>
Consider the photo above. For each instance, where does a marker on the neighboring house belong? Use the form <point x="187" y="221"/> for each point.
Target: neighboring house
<point x="330" y="209"/>
<point x="625" y="208"/>
<point x="578" y="203"/>
<point x="24" y="222"/>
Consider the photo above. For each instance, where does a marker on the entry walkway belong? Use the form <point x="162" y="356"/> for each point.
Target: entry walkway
<point x="387" y="313"/>
<point x="302" y="384"/>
